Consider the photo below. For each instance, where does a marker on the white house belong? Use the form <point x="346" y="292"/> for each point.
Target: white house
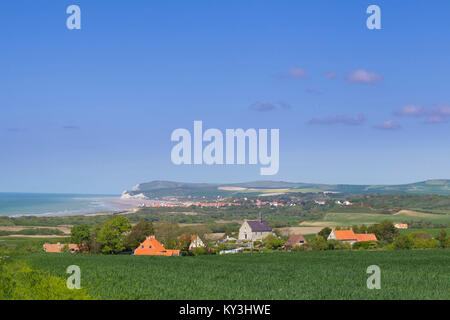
<point x="196" y="242"/>
<point x="254" y="230"/>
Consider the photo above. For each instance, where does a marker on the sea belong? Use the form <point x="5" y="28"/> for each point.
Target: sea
<point x="23" y="204"/>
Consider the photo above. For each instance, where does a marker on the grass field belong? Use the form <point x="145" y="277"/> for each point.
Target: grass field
<point x="348" y="219"/>
<point x="406" y="274"/>
<point x="434" y="232"/>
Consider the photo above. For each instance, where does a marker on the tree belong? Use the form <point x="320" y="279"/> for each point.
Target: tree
<point x="384" y="231"/>
<point x="111" y="235"/>
<point x="403" y="242"/>
<point x="324" y="233"/>
<point x="168" y="233"/>
<point x="94" y="244"/>
<point x="81" y="236"/>
<point x="318" y="243"/>
<point x="272" y="242"/>
<point x="138" y="234"/>
<point x="359" y="229"/>
<point x="442" y="238"/>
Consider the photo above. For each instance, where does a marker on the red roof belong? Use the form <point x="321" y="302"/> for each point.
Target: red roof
<point x="344" y="235"/>
<point x="58" y="247"/>
<point x="152" y="247"/>
<point x="296" y="239"/>
<point x="365" y="237"/>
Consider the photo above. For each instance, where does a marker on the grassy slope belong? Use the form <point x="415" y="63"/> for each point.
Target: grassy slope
<point x="418" y="274"/>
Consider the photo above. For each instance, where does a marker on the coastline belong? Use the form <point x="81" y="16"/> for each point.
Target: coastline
<point x="109" y="206"/>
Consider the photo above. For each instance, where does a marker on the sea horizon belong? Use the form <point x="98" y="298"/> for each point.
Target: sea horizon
<point x="16" y="204"/>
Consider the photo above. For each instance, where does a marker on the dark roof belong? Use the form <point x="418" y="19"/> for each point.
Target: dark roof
<point x="295" y="239"/>
<point x="258" y="226"/>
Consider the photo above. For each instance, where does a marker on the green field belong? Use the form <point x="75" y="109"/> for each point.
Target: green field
<point x="434" y="232"/>
<point x="405" y="274"/>
<point x="352" y="218"/>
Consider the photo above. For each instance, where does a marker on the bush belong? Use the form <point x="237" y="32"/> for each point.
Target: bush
<point x="318" y="243"/>
<point x="20" y="282"/>
<point x="364" y="245"/>
<point x="199" y="251"/>
<point x="403" y="242"/>
<point x="272" y="242"/>
<point x="337" y="245"/>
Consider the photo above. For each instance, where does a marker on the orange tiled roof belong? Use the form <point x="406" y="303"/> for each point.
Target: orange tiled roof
<point x="345" y="234"/>
<point x="152" y="247"/>
<point x="365" y="237"/>
<point x="58" y="247"/>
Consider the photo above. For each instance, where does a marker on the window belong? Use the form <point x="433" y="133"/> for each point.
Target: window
<point x="150" y="247"/>
<point x="142" y="247"/>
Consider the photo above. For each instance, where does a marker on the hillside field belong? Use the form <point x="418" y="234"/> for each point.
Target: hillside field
<point x="405" y="274"/>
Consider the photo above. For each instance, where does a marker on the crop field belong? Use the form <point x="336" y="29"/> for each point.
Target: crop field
<point x="405" y="274"/>
<point x="434" y="232"/>
<point x="346" y="218"/>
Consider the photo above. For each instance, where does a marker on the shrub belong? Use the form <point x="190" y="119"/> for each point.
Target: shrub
<point x="199" y="251"/>
<point x="403" y="242"/>
<point x="336" y="245"/>
<point x="364" y="245"/>
<point x="318" y="243"/>
<point x="20" y="282"/>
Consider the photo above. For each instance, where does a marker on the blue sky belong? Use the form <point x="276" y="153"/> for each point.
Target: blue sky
<point x="92" y="110"/>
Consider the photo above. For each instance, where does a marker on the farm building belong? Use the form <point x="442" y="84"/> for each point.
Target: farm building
<point x="255" y="230"/>
<point x="401" y="225"/>
<point x="351" y="237"/>
<point x="365" y="237"/>
<point x="196" y="242"/>
<point x="296" y="240"/>
<point x="58" y="247"/>
<point x="152" y="247"/>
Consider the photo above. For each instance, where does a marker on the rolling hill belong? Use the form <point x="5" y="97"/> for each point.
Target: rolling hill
<point x="157" y="189"/>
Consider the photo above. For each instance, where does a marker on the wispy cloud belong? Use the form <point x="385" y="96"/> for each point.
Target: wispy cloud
<point x="285" y="105"/>
<point x="435" y="120"/>
<point x="338" y="119"/>
<point x="363" y="76"/>
<point x="388" y="125"/>
<point x="434" y="115"/>
<point x="410" y="110"/>
<point x="262" y="106"/>
<point x="314" y="91"/>
<point x="297" y="73"/>
<point x="294" y="72"/>
<point x="330" y="75"/>
<point x="269" y="106"/>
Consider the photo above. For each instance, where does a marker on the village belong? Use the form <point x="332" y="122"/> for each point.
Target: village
<point x="253" y="236"/>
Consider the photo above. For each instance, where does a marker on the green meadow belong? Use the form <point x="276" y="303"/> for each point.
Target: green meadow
<point x="405" y="274"/>
<point x="352" y="218"/>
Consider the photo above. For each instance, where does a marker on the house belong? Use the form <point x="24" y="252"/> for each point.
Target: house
<point x="351" y="237"/>
<point x="296" y="240"/>
<point x="58" y="247"/>
<point x="255" y="230"/>
<point x="365" y="237"/>
<point x="196" y="242"/>
<point x="152" y="247"/>
<point x="401" y="225"/>
<point x="343" y="235"/>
